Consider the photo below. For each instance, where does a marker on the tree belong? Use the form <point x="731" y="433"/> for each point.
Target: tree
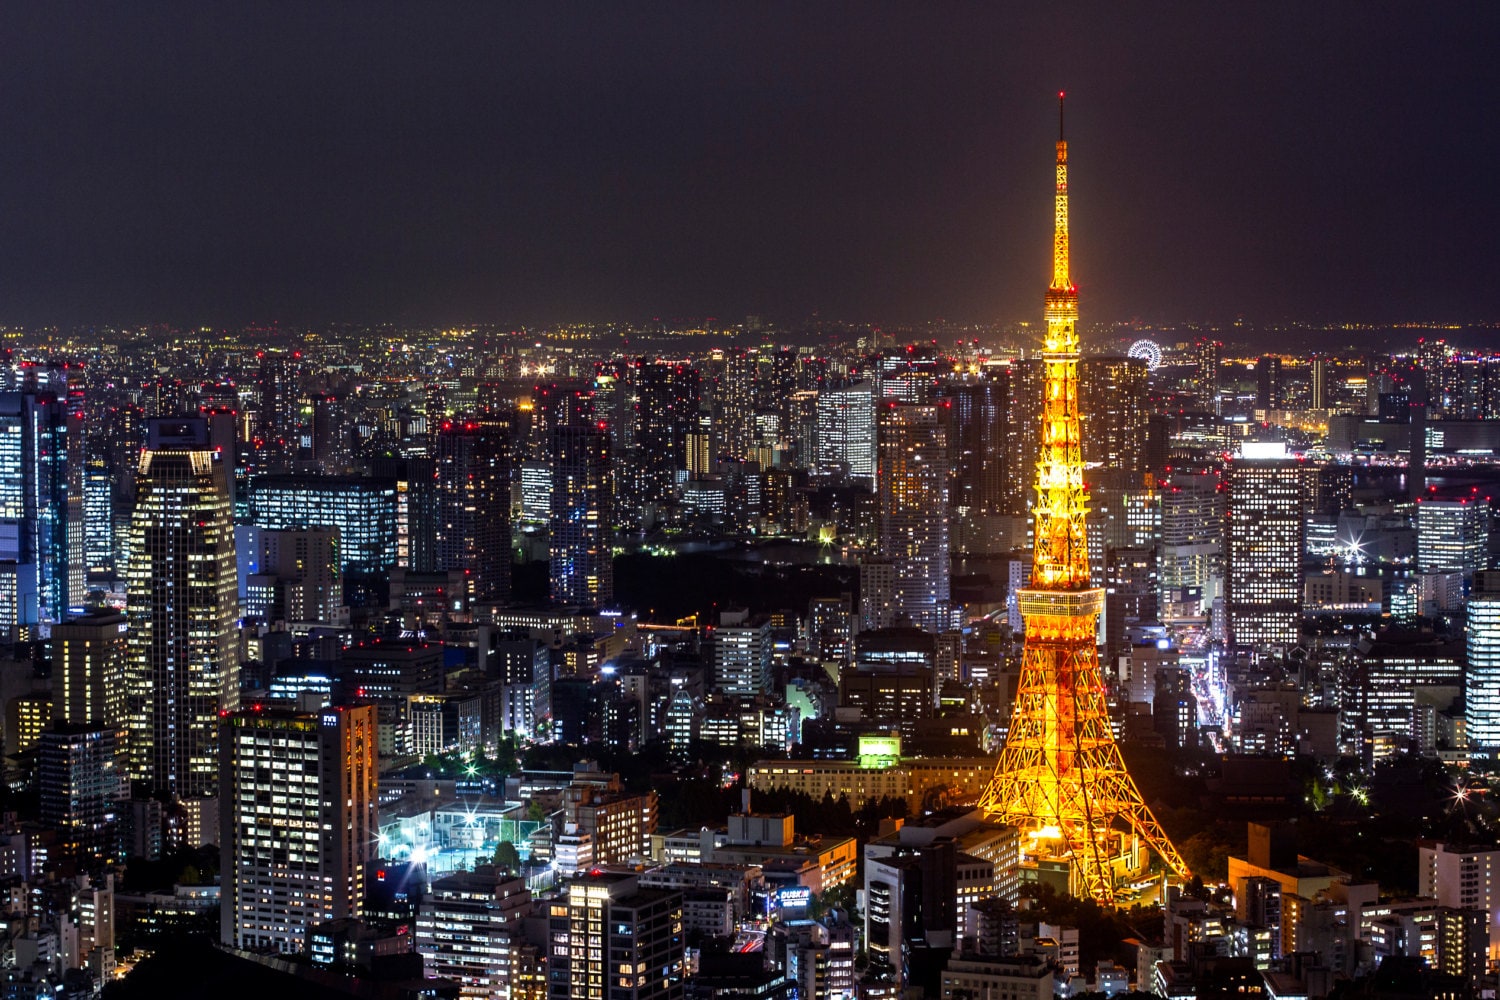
<point x="507" y="857"/>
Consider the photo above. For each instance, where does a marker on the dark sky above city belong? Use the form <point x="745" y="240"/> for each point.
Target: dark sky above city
<point x="424" y="163"/>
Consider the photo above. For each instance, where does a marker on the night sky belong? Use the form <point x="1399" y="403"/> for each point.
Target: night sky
<point x="423" y="163"/>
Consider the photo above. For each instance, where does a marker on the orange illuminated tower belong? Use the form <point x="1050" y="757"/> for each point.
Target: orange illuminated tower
<point x="1060" y="778"/>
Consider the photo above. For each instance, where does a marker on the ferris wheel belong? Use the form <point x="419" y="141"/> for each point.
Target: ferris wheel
<point x="1148" y="351"/>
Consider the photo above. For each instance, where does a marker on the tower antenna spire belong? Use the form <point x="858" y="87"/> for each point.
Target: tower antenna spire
<point x="1061" y="95"/>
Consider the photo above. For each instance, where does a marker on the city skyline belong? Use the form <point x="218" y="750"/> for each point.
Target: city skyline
<point x="309" y="165"/>
<point x="795" y="654"/>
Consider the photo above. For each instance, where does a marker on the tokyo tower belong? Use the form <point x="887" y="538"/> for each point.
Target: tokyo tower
<point x="1060" y="778"/>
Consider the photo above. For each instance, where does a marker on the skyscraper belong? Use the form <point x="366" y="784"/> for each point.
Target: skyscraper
<point x="1318" y="382"/>
<point x="276" y="406"/>
<point x="366" y="512"/>
<point x="181" y="606"/>
<point x="1268" y="383"/>
<point x="582" y="559"/>
<point x="323" y="434"/>
<point x="1265" y="517"/>
<point x="1453" y="535"/>
<point x="84" y="783"/>
<point x="1206" y="356"/>
<point x="974" y="425"/>
<point x="90" y="664"/>
<point x="473" y="487"/>
<point x="1112" y="391"/>
<point x="298" y="822"/>
<point x="846" y="433"/>
<point x="734" y="405"/>
<point x="1482" y="677"/>
<point x="1023" y="433"/>
<point x="668" y="408"/>
<point x="742" y="655"/>
<point x="38" y="508"/>
<point x="913" y="487"/>
<point x="294" y="574"/>
<point x="1192" y="542"/>
<point x="99" y="515"/>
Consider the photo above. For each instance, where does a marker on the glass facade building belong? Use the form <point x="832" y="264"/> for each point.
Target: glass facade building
<point x="364" y="511"/>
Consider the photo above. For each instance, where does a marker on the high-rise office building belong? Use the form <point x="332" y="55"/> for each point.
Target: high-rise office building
<point x="1023" y="434"/>
<point x="1264" y="525"/>
<point x="473" y="492"/>
<point x="1112" y="391"/>
<point x="734" y="405"/>
<point x="1453" y="535"/>
<point x="90" y="664"/>
<point x="99" y="515"/>
<point x="536" y="492"/>
<point x="276" y="406"/>
<point x="582" y="560"/>
<point x="742" y="655"/>
<point x="83" y="780"/>
<point x="292" y="575"/>
<point x="974" y="424"/>
<point x="365" y="512"/>
<point x="298" y="822"/>
<point x="1482" y="676"/>
<point x="323" y="434"/>
<point x="1268" y="394"/>
<point x="816" y="958"/>
<point x="471" y="930"/>
<point x="846" y="433"/>
<point x="1191" y="558"/>
<point x="1463" y="878"/>
<point x="908" y="375"/>
<point x="41" y="513"/>
<point x="1435" y="359"/>
<point x="913" y="488"/>
<point x="668" y="408"/>
<point x="911" y="895"/>
<point x="1174" y="708"/>
<point x="615" y="393"/>
<point x="1207" y="354"/>
<point x="181" y="605"/>
<point x="830" y="628"/>
<point x="611" y="938"/>
<point x="890" y="684"/>
<point x="1318" y="382"/>
<point x="877" y="593"/>
<point x="413" y="481"/>
<point x="557" y="404"/>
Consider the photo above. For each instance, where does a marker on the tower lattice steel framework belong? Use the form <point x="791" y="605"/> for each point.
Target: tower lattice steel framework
<point x="1060" y="778"/>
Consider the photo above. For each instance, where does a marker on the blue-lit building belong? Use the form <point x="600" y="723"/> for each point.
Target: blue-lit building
<point x="99" y="516"/>
<point x="364" y="510"/>
<point x="41" y="519"/>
